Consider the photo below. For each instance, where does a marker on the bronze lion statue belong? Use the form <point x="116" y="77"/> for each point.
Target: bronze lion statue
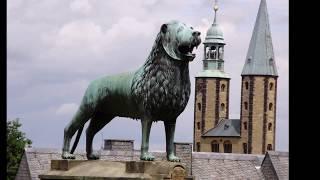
<point x="158" y="91"/>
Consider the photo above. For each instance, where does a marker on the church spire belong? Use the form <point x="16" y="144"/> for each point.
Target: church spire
<point x="260" y="57"/>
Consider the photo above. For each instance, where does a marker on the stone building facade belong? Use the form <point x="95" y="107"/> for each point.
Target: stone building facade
<point x="254" y="132"/>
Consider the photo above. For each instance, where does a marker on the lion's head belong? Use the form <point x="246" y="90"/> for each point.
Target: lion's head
<point x="179" y="40"/>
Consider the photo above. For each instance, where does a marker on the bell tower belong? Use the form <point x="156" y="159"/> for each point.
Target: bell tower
<point x="212" y="85"/>
<point x="259" y="88"/>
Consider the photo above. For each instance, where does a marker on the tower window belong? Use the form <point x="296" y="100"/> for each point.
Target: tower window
<point x="220" y="52"/>
<point x="214" y="146"/>
<point x="223" y="87"/>
<point x="213" y="52"/>
<point x="199" y="106"/>
<point x="198" y="146"/>
<point x="269" y="147"/>
<point x="245" y="125"/>
<point x="247" y="85"/>
<point x="245" y="148"/>
<point x="227" y="146"/>
<point x="270" y="106"/>
<point x="246" y="105"/>
<point x="198" y="125"/>
<point x="271" y="61"/>
<point x="222" y="107"/>
<point x="270" y="127"/>
<point x="271" y="86"/>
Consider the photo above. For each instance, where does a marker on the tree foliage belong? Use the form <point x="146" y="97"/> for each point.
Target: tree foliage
<point x="16" y="142"/>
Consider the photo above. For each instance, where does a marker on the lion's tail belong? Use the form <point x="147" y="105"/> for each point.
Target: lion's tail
<point x="76" y="141"/>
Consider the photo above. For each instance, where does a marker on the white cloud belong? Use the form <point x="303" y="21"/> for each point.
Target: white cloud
<point x="66" y="109"/>
<point x="81" y="6"/>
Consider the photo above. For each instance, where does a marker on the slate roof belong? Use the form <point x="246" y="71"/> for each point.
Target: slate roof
<point x="205" y="165"/>
<point x="260" y="57"/>
<point x="225" y="128"/>
<point x="277" y="164"/>
<point x="226" y="166"/>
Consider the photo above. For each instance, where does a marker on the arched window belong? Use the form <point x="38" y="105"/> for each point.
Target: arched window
<point x="213" y="52"/>
<point x="269" y="147"/>
<point x="222" y="107"/>
<point x="199" y="106"/>
<point x="245" y="125"/>
<point x="270" y="106"/>
<point x="270" y="127"/>
<point x="245" y="148"/>
<point x="227" y="146"/>
<point x="223" y="87"/>
<point x="198" y="125"/>
<point x="247" y="85"/>
<point x="271" y="86"/>
<point x="245" y="105"/>
<point x="198" y="146"/>
<point x="214" y="146"/>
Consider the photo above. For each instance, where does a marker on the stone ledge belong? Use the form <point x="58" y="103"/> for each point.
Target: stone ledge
<point x="102" y="169"/>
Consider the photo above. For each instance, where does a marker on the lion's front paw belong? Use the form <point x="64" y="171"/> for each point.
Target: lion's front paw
<point x="67" y="155"/>
<point x="93" y="156"/>
<point x="146" y="157"/>
<point x="173" y="158"/>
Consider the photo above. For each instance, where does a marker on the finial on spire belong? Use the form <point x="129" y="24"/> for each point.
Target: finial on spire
<point x="215" y="8"/>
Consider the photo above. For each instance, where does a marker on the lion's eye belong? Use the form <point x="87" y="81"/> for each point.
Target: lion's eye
<point x="191" y="28"/>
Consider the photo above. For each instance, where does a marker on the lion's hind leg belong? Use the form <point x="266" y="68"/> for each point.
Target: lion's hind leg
<point x="78" y="121"/>
<point x="96" y="124"/>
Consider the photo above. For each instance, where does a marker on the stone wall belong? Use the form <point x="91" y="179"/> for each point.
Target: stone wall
<point x="118" y="145"/>
<point x="184" y="151"/>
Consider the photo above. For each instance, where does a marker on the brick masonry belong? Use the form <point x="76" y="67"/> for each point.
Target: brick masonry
<point x="209" y="94"/>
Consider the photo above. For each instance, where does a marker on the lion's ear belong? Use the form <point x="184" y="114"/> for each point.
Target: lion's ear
<point x="164" y="28"/>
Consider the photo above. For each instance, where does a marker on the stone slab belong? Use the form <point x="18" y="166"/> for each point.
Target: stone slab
<point x="103" y="169"/>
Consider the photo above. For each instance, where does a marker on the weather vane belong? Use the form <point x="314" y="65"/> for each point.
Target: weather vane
<point x="215" y="8"/>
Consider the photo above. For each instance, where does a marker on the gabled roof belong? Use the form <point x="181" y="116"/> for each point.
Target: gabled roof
<point x="276" y="164"/>
<point x="260" y="57"/>
<point x="226" y="128"/>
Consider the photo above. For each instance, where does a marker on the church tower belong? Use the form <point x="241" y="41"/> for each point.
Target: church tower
<point x="259" y="89"/>
<point x="211" y="86"/>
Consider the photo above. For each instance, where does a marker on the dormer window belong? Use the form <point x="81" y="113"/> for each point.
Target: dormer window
<point x="271" y="61"/>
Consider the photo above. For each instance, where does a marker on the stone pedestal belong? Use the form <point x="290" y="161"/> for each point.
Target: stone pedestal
<point x="102" y="169"/>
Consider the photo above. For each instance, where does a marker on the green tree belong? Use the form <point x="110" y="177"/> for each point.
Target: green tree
<point x="16" y="142"/>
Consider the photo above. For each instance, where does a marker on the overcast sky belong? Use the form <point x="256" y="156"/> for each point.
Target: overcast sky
<point x="55" y="48"/>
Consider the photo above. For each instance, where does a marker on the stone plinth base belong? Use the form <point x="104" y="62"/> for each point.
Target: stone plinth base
<point x="102" y="169"/>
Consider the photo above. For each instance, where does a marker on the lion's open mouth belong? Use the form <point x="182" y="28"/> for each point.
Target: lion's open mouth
<point x="187" y="50"/>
